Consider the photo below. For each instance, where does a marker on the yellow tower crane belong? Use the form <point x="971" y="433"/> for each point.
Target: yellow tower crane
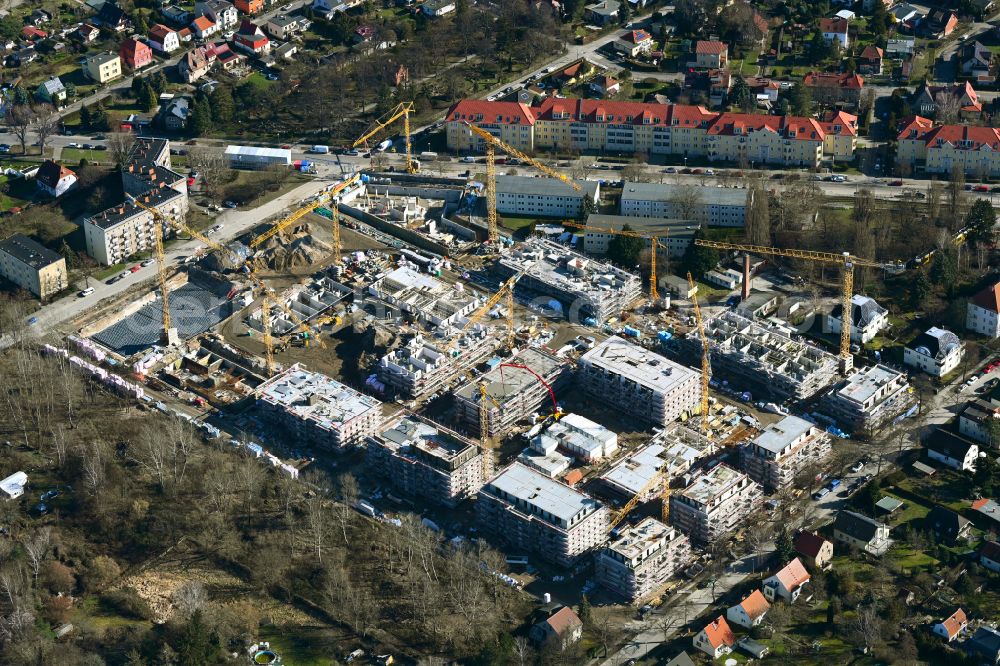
<point x="654" y="245"/>
<point x="706" y="364"/>
<point x="845" y="260"/>
<point x="506" y="291"/>
<point x="492" y="143"/>
<point x="169" y="334"/>
<point x="402" y="110"/>
<point x="661" y="475"/>
<point x="485" y="440"/>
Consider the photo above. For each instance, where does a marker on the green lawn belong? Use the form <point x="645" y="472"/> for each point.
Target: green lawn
<point x="305" y="646"/>
<point x="909" y="559"/>
<point x="514" y="222"/>
<point x="71" y="156"/>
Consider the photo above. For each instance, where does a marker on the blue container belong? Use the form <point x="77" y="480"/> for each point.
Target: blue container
<point x="631" y="332"/>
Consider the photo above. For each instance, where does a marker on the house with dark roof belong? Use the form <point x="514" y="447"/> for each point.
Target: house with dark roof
<point x="251" y="39"/>
<point x="936" y="352"/>
<point x="927" y="98"/>
<point x="54" y="179"/>
<point x="605" y="86"/>
<point x="868" y="318"/>
<point x="985" y="645"/>
<point x="861" y="532"/>
<point x="163" y="38"/>
<point x="952" y="626"/>
<point x="975" y="61"/>
<point x="787" y="583"/>
<point x="834" y="87"/>
<point x="112" y="17"/>
<point x="814" y="549"/>
<point x="716" y="639"/>
<point x="603" y="12"/>
<point x="952" y="450"/>
<point x="680" y="660"/>
<point x="174" y="114"/>
<point x="989" y="555"/>
<point x="86" y="33"/>
<point x="947" y="525"/>
<point x="982" y="313"/>
<point x="563" y="628"/>
<point x="32" y="266"/>
<point x="52" y="91"/>
<point x="940" y="23"/>
<point x="977" y="419"/>
<point x="750" y="612"/>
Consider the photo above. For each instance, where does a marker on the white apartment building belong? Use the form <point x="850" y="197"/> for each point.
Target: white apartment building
<point x="532" y="512"/>
<point x="983" y="312"/>
<point x="784" y="450"/>
<point x="426" y="460"/>
<point x="674" y="235"/>
<point x="639" y="382"/>
<point x="641" y="560"/>
<point x="546" y="197"/>
<point x="714" y="206"/>
<point x="714" y="504"/>
<point x="868" y="318"/>
<point x="32" y="266"/>
<point x="936" y="352"/>
<point x="580" y="437"/>
<point x="869" y="399"/>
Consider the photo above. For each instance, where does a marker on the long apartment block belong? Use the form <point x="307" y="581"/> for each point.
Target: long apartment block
<point x="425" y="460"/>
<point x="529" y="511"/>
<point x="639" y="382"/>
<point x="652" y="129"/>
<point x="582" y="286"/>
<point x="869" y="399"/>
<point x="317" y="410"/>
<point x="765" y="359"/>
<point x="714" y="504"/>
<point x="513" y="393"/>
<point x="641" y="560"/>
<point x="785" y="449"/>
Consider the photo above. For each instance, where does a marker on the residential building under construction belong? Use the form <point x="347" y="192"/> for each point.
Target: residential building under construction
<point x="532" y="512"/>
<point x="765" y="358"/>
<point x="714" y="504"/>
<point x="423" y="298"/>
<point x="669" y="455"/>
<point x="426" y="460"/>
<point x="869" y="399"/>
<point x="642" y="559"/>
<point x="512" y="393"/>
<point x="638" y="381"/>
<point x="785" y="449"/>
<point x="315" y="409"/>
<point x="577" y="286"/>
<point x="421" y="367"/>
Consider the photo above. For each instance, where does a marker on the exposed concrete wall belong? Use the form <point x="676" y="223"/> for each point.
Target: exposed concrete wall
<point x="405" y="235"/>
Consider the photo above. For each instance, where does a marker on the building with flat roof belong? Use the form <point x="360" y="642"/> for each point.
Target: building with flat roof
<point x="315" y="409"/>
<point x="115" y="234"/>
<point x="546" y="197"/>
<point x="514" y="393"/>
<point x="869" y="399"/>
<point x="669" y="455"/>
<point x="578" y="436"/>
<point x="426" y="460"/>
<point x="762" y="357"/>
<point x="674" y="235"/>
<point x="579" y="286"/>
<point x="421" y="366"/>
<point x="639" y="382"/>
<point x="783" y="451"/>
<point x="714" y="206"/>
<point x="257" y="158"/>
<point x="714" y="504"/>
<point x="641" y="560"/>
<point x="423" y="298"/>
<point x="32" y="266"/>
<point x="532" y="512"/>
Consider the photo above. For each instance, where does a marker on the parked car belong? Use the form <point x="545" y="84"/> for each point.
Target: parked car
<point x="86" y="292"/>
<point x="229" y="203"/>
<point x="895" y="183"/>
<point x="981" y="188"/>
<point x="821" y="493"/>
<point x="148" y="262"/>
<point x="670" y="170"/>
<point x="136" y="268"/>
<point x="857" y="467"/>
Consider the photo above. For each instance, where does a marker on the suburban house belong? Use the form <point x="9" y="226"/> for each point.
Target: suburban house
<point x="988" y="509"/>
<point x="250" y="7"/>
<point x="204" y="27"/>
<point x="936" y="352"/>
<point x="947" y="525"/>
<point x="31" y="33"/>
<point x="175" y="113"/>
<point x="711" y="55"/>
<point x="136" y="54"/>
<point x="222" y="13"/>
<point x="989" y="555"/>
<point x="900" y="48"/>
<point x="680" y="660"/>
<point x="861" y="532"/>
<point x="87" y="33"/>
<point x="163" y="39"/>
<point x="814" y="549"/>
<point x="563" y="627"/>
<point x="836" y="29"/>
<point x="52" y="91"/>
<point x="39" y="17"/>
<point x="941" y="23"/>
<point x="976" y="418"/>
<point x="633" y="43"/>
<point x="750" y="612"/>
<point x="982" y="314"/>
<point x="787" y="584"/>
<point x="926" y="99"/>
<point x="103" y="67"/>
<point x="176" y="15"/>
<point x="975" y="61"/>
<point x="952" y="627"/>
<point x="438" y="8"/>
<point x="868" y="318"/>
<point x="251" y="39"/>
<point x="605" y="86"/>
<point x="286" y="51"/>
<point x="870" y="60"/>
<point x="195" y="64"/>
<point x="283" y="27"/>
<point x="834" y="87"/>
<point x="716" y="639"/>
<point x="985" y="645"/>
<point x="603" y="12"/>
<point x="111" y="16"/>
<point x="952" y="450"/>
<point x="54" y="179"/>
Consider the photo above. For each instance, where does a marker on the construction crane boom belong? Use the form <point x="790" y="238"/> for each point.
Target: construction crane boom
<point x="847" y="262"/>
<point x="301" y="212"/>
<point x="654" y="245"/>
<point x="706" y="365"/>
<point x="514" y="152"/>
<point x="481" y="311"/>
<point x="632" y="503"/>
<point x="402" y="110"/>
<point x="161" y="269"/>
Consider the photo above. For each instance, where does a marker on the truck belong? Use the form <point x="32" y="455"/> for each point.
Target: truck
<point x="428" y="155"/>
<point x="320" y="150"/>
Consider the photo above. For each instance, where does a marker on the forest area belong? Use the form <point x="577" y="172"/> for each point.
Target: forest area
<point x="135" y="490"/>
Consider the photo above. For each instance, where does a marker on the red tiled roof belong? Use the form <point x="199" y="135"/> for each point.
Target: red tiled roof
<point x="202" y="23"/>
<point x="872" y="53"/>
<point x="989" y="298"/>
<point x="710" y="48"/>
<point x="501" y="113"/>
<point x="31" y="32"/>
<point x="792" y="127"/>
<point x="833" y="80"/>
<point x="793" y="576"/>
<point x="571" y="71"/>
<point x="836" y="26"/>
<point x="980" y="503"/>
<point x="159" y="32"/>
<point x="564" y="620"/>
<point x="917" y="124"/>
<point x="131" y="47"/>
<point x="954" y="624"/>
<point x="718" y="633"/>
<point x="847" y="123"/>
<point x="808" y="544"/>
<point x="990" y="550"/>
<point x="573" y="477"/>
<point x="184" y="33"/>
<point x="636" y="113"/>
<point x="755" y="605"/>
<point x="760" y="22"/>
<point x="637" y="36"/>
<point x="963" y="137"/>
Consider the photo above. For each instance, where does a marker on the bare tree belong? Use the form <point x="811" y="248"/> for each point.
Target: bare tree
<point x="948" y="106"/>
<point x="687" y="198"/>
<point x="523" y="650"/>
<point x="37" y="549"/>
<point x="868" y="626"/>
<point x="46" y="124"/>
<point x="955" y="198"/>
<point x="212" y="167"/>
<point x="758" y="220"/>
<point x="190" y="597"/>
<point x="20" y="118"/>
<point x="120" y="145"/>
